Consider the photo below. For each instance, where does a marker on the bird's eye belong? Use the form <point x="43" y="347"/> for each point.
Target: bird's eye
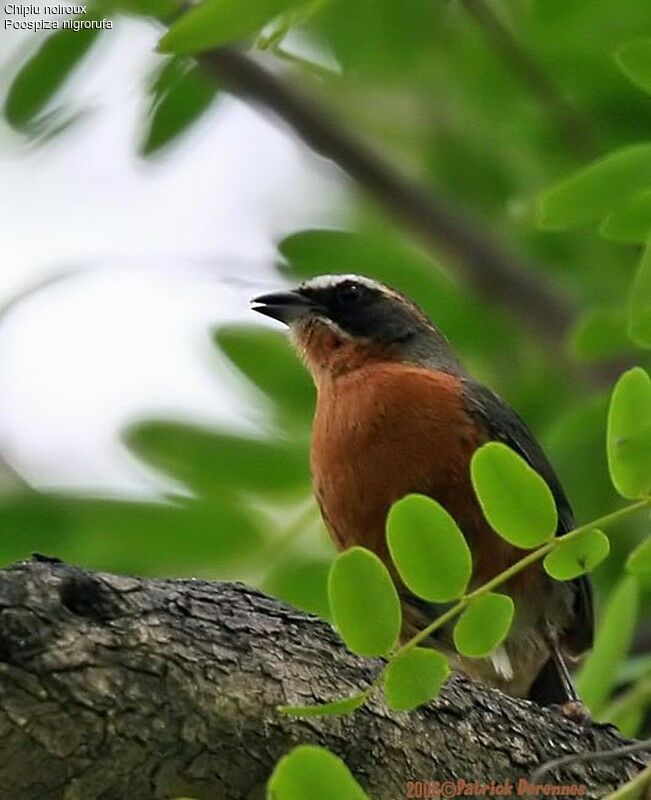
<point x="349" y="293"/>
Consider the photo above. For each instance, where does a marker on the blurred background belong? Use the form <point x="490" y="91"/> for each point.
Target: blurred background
<point x="148" y="423"/>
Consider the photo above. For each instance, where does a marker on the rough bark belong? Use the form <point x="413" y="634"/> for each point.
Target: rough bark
<point x="117" y="688"/>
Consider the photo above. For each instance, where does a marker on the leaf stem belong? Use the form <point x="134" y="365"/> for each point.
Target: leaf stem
<point x="460" y="605"/>
<point x="599" y="755"/>
<point x="514" y="569"/>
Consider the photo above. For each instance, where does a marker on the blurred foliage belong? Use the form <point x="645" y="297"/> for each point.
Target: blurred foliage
<point x="431" y="90"/>
<point x="611" y="645"/>
<point x="145" y="538"/>
<point x="217" y="22"/>
<point x="180" y="94"/>
<point x="213" y="463"/>
<point x="43" y="75"/>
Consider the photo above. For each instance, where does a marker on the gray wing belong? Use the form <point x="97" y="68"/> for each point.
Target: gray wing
<point x="501" y="423"/>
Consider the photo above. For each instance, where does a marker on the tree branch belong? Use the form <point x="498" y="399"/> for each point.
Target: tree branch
<point x="123" y="689"/>
<point x="492" y="271"/>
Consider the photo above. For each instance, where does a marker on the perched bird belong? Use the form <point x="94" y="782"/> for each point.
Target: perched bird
<point x="396" y="413"/>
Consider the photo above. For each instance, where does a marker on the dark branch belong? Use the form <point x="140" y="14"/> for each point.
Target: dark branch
<point x="124" y="689"/>
<point x="576" y="128"/>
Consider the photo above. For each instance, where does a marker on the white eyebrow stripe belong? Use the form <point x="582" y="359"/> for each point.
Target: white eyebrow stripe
<point x="329" y="281"/>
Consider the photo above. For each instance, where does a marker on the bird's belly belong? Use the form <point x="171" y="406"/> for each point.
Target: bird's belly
<point x="374" y="443"/>
<point x="355" y="496"/>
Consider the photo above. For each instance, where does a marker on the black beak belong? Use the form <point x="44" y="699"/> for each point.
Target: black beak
<point x="283" y="306"/>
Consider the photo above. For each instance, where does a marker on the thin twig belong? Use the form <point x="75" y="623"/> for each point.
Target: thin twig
<point x="601" y="755"/>
<point x="577" y="128"/>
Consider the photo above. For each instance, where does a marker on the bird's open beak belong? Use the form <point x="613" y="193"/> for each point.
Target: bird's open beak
<point x="283" y="306"/>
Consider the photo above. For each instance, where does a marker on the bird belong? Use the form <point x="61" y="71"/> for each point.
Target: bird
<point x="396" y="413"/>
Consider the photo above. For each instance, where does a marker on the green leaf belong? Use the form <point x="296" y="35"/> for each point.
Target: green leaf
<point x="128" y="536"/>
<point x="612" y="643"/>
<point x="45" y="73"/>
<point x="483" y="625"/>
<point x="428" y="549"/>
<point x="630" y="223"/>
<point x="211" y="462"/>
<point x="313" y="772"/>
<point x="577" y="556"/>
<point x="639" y="321"/>
<point x="634" y="58"/>
<point x="600" y="334"/>
<point x="516" y="501"/>
<point x="629" y="434"/>
<point x="180" y="95"/>
<point x="639" y="561"/>
<point x="588" y="195"/>
<point x="414" y="678"/>
<point x="268" y="361"/>
<point x="303" y="582"/>
<point x="345" y="706"/>
<point x="364" y="602"/>
<point x="214" y="23"/>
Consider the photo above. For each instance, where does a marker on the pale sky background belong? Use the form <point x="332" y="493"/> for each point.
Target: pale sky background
<point x="127" y="335"/>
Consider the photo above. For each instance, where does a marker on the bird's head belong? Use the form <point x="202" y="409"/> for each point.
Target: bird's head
<point x="341" y="322"/>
